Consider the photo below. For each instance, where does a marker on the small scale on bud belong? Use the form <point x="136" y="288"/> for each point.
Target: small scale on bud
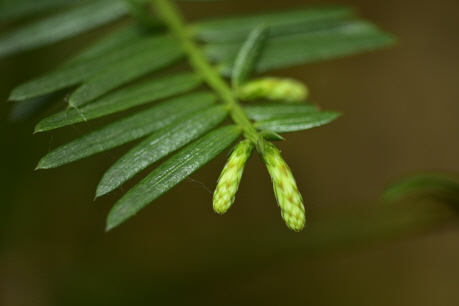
<point x="228" y="183"/>
<point x="275" y="89"/>
<point x="285" y="189"/>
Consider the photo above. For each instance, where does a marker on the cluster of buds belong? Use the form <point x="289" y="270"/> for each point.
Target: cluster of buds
<point x="274" y="89"/>
<point x="287" y="195"/>
<point x="228" y="183"/>
<point x="285" y="189"/>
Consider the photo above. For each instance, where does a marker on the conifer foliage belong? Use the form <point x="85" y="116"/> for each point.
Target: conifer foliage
<point x="183" y="124"/>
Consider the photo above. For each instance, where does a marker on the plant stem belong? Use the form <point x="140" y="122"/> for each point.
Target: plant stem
<point x="174" y="20"/>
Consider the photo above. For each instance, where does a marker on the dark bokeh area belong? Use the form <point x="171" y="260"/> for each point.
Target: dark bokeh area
<point x="400" y="107"/>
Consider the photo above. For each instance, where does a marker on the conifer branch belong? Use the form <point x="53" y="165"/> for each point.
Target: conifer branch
<point x="174" y="20"/>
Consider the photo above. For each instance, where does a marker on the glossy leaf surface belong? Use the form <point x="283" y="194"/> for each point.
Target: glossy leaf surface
<point x="124" y="72"/>
<point x="285" y="51"/>
<point x="248" y="55"/>
<point x="297" y="123"/>
<point x="271" y="110"/>
<point x="64" y="25"/>
<point x="172" y="172"/>
<point x="270" y="135"/>
<point x="280" y="23"/>
<point x="146" y="92"/>
<point x="159" y="145"/>
<point x="126" y="130"/>
<point x="77" y="72"/>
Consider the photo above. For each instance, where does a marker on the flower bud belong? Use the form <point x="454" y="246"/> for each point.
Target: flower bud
<point x="275" y="89"/>
<point x="285" y="189"/>
<point x="228" y="183"/>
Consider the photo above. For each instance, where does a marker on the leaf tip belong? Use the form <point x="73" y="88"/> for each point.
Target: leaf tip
<point x="97" y="195"/>
<point x="37" y="129"/>
<point x="100" y="192"/>
<point x="108" y="228"/>
<point x="270" y="135"/>
<point x="40" y="166"/>
<point x="112" y="222"/>
<point x="44" y="163"/>
<point x="13" y="97"/>
<point x="116" y="216"/>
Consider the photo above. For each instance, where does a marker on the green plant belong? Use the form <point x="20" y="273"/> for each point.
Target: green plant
<point x="197" y="98"/>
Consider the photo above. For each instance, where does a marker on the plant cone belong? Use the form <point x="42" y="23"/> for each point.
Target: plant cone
<point x="228" y="183"/>
<point x="274" y="89"/>
<point x="285" y="189"/>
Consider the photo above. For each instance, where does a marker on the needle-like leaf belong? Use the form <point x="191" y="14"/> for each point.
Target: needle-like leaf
<point x="280" y="23"/>
<point x="159" y="145"/>
<point x="284" y="51"/>
<point x="24" y="109"/>
<point x="297" y="123"/>
<point x="270" y="135"/>
<point x="64" y="25"/>
<point x="16" y="9"/>
<point x="146" y="92"/>
<point x="248" y="55"/>
<point x="271" y="110"/>
<point x="76" y="73"/>
<point x="119" y="39"/>
<point x="172" y="172"/>
<point x="126" y="130"/>
<point x="122" y="73"/>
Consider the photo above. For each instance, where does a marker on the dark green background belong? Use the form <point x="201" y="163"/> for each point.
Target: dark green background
<point x="400" y="110"/>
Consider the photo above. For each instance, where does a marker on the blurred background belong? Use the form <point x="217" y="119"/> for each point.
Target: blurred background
<point x="400" y="107"/>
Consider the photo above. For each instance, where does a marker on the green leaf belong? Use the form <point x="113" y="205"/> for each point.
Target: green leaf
<point x="172" y="172"/>
<point x="270" y="111"/>
<point x="16" y="9"/>
<point x="122" y="73"/>
<point x="138" y="10"/>
<point x="280" y="23"/>
<point x="429" y="184"/>
<point x="119" y="39"/>
<point x="22" y="110"/>
<point x="285" y="51"/>
<point x="297" y="123"/>
<point x="78" y="72"/>
<point x="64" y="25"/>
<point x="270" y="135"/>
<point x="159" y="145"/>
<point x="127" y="129"/>
<point x="228" y="50"/>
<point x="146" y="92"/>
<point x="248" y="55"/>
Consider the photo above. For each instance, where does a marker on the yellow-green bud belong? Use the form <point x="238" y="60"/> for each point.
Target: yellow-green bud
<point x="275" y="89"/>
<point x="228" y="183"/>
<point x="287" y="194"/>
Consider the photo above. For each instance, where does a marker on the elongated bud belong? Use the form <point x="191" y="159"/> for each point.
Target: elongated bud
<point x="228" y="183"/>
<point x="275" y="89"/>
<point x="287" y="194"/>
